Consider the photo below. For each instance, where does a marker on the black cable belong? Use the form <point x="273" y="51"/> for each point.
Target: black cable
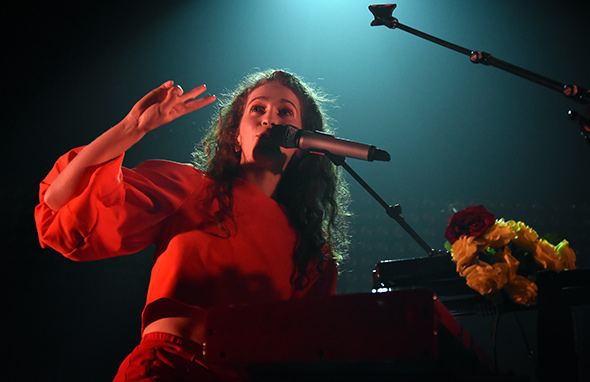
<point x="526" y="342"/>
<point x="494" y="338"/>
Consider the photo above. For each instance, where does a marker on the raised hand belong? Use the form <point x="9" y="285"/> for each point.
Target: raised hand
<point x="160" y="106"/>
<point x="164" y="104"/>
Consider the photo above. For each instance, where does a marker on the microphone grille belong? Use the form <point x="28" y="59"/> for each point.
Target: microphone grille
<point x="286" y="135"/>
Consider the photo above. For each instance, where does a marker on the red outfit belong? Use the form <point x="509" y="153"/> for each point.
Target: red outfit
<point x="198" y="263"/>
<point x="169" y="358"/>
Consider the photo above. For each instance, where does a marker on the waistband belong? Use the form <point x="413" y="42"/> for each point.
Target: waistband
<point x="185" y="344"/>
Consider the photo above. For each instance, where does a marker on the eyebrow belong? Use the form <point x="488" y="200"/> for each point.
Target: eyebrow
<point x="265" y="98"/>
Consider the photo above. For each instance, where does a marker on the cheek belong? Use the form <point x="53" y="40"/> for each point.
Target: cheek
<point x="242" y="133"/>
<point x="248" y="124"/>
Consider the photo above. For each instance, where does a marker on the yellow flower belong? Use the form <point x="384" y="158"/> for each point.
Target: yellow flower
<point x="501" y="271"/>
<point x="499" y="234"/>
<point x="486" y="278"/>
<point x="511" y="262"/>
<point x="522" y="291"/>
<point x="463" y="251"/>
<point x="526" y="237"/>
<point x="567" y="256"/>
<point x="545" y="256"/>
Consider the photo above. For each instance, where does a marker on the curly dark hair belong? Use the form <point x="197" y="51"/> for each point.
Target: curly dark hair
<point x="312" y="188"/>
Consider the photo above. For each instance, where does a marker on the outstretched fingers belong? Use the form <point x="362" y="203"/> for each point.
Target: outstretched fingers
<point x="165" y="104"/>
<point x="155" y="96"/>
<point x="179" y="103"/>
<point x="171" y="100"/>
<point x="193" y="103"/>
<point x="192" y="94"/>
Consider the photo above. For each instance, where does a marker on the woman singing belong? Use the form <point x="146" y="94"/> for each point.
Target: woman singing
<point x="248" y="222"/>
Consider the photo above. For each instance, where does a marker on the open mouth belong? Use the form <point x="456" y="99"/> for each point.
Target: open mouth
<point x="268" y="145"/>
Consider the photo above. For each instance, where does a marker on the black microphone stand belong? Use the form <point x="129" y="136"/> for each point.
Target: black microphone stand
<point x="393" y="212"/>
<point x="384" y="16"/>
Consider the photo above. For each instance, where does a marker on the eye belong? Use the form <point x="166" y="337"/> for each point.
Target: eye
<point x="257" y="109"/>
<point x="286" y="112"/>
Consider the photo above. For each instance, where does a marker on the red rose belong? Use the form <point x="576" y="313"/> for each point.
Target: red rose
<point x="472" y="221"/>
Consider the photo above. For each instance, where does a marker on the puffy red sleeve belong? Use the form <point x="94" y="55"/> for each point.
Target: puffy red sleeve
<point x="120" y="211"/>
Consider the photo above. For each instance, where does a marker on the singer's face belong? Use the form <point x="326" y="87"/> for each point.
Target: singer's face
<point x="268" y="104"/>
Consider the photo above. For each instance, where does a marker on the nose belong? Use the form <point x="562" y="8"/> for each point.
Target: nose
<point x="266" y="129"/>
<point x="267" y="123"/>
<point x="269" y="118"/>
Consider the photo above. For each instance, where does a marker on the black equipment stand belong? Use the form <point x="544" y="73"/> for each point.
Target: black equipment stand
<point x="393" y="212"/>
<point x="384" y="16"/>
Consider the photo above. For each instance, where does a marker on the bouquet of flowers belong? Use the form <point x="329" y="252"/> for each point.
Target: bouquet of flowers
<point x="493" y="254"/>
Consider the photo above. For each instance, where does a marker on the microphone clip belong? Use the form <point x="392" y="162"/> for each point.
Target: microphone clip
<point x="383" y="15"/>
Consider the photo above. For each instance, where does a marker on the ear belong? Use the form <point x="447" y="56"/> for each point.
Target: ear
<point x="238" y="144"/>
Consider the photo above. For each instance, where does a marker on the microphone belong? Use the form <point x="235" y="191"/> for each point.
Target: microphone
<point x="291" y="137"/>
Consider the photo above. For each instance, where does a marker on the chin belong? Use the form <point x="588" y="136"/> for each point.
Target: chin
<point x="272" y="160"/>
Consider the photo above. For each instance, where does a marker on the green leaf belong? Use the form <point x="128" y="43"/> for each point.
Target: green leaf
<point x="553" y="238"/>
<point x="448" y="246"/>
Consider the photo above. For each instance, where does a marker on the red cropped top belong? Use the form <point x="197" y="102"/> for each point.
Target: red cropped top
<point x="198" y="264"/>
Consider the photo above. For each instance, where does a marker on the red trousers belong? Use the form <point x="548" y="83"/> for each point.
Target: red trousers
<point x="163" y="357"/>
